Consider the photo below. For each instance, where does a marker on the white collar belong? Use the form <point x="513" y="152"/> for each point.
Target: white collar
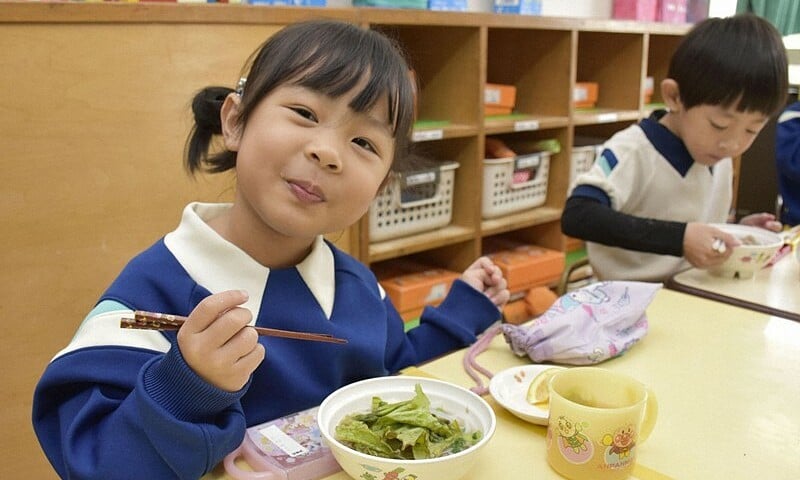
<point x="200" y="249"/>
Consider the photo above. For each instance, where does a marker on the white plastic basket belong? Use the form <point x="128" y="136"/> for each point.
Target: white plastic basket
<point x="513" y="184"/>
<point x="413" y="202"/>
<point x="583" y="158"/>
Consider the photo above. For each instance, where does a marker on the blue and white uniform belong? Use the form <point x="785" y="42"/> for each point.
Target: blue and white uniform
<point x="119" y="403"/>
<point x="646" y="171"/>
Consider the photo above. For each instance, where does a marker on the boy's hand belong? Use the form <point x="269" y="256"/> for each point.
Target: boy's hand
<point x="486" y="277"/>
<point x="217" y="342"/>
<point x="763" y="220"/>
<point x="701" y="247"/>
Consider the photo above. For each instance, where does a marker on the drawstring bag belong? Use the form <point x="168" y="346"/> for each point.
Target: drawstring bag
<point x="583" y="327"/>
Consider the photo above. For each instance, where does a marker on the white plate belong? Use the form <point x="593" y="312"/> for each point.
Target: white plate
<point x="510" y="387"/>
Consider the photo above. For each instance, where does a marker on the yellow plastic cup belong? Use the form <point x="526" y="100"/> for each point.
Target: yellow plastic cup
<point x="598" y="419"/>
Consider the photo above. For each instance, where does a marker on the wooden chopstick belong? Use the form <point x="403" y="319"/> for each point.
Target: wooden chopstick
<point x="164" y="321"/>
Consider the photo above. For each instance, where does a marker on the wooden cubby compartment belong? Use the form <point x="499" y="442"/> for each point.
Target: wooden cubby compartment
<point x="615" y="62"/>
<point x="659" y="52"/>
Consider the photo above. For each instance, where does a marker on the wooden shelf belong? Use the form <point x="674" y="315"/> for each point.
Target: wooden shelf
<point x="516" y="221"/>
<point x="522" y="123"/>
<point x="605" y="115"/>
<point x="402" y="246"/>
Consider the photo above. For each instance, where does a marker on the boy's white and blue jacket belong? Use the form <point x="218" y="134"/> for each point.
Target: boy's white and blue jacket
<point x="119" y="403"/>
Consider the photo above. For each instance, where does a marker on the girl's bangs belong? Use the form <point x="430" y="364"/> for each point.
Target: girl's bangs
<point x="335" y="71"/>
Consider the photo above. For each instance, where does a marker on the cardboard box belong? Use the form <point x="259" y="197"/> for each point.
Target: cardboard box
<point x="489" y="110"/>
<point x="448" y="5"/>
<point x="422" y="4"/>
<point x="696" y="11"/>
<point x="499" y="99"/>
<point x="598" y="9"/>
<point x="649" y="88"/>
<point x="528" y="266"/>
<point x="412" y="287"/>
<point x="585" y="94"/>
<point x="641" y="10"/>
<point x="521" y="7"/>
<point x="671" y="11"/>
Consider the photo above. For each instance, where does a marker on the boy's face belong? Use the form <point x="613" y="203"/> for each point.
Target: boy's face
<point x="714" y="132"/>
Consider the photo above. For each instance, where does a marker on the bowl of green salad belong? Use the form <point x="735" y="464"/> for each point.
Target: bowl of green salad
<point x="405" y="427"/>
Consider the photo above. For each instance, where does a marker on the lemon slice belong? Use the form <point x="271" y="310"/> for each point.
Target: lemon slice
<point x="538" y="390"/>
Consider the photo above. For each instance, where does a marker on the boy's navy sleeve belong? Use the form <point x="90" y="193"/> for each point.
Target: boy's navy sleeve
<point x="587" y="218"/>
<point x="787" y="145"/>
<point x="787" y="158"/>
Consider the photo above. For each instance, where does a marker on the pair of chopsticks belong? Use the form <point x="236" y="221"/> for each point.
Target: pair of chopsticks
<point x="163" y="321"/>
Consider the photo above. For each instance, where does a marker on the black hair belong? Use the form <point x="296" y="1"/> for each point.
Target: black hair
<point x="735" y="61"/>
<point x="328" y="56"/>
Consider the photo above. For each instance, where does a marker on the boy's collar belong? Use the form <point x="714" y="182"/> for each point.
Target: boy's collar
<point x="667" y="143"/>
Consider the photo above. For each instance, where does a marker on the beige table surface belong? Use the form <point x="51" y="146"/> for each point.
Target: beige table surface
<point x="773" y="290"/>
<point x="728" y="384"/>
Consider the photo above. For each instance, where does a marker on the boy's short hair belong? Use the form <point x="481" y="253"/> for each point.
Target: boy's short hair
<point x="735" y="61"/>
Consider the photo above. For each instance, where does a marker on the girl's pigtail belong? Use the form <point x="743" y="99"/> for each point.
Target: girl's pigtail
<point x="206" y="107"/>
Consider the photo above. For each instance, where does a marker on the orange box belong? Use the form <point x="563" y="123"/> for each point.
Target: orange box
<point x="499" y="95"/>
<point x="528" y="266"/>
<point x="411" y="291"/>
<point x="572" y="244"/>
<point x="494" y="110"/>
<point x="585" y="94"/>
<point x="649" y="87"/>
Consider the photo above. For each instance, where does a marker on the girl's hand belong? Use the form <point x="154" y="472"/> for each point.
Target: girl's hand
<point x="217" y="342"/>
<point x="486" y="277"/>
<point x="699" y="245"/>
<point x="763" y="220"/>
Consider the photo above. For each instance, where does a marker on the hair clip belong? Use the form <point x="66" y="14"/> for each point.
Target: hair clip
<point x="240" y="86"/>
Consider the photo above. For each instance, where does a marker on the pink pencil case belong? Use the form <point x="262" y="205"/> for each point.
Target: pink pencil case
<point x="288" y="448"/>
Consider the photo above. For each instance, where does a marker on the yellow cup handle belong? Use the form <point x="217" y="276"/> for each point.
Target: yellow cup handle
<point x="650" y="415"/>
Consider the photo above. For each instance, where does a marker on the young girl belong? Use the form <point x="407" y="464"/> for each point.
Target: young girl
<point x="646" y="205"/>
<point x="312" y="134"/>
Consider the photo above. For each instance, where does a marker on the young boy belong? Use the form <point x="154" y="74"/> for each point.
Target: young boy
<point x="646" y="206"/>
<point x="787" y="156"/>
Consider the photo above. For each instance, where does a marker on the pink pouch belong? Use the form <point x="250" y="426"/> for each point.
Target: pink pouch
<point x="289" y="448"/>
<point x="583" y="327"/>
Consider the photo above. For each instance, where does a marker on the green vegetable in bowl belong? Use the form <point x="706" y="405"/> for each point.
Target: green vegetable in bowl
<point x="404" y="430"/>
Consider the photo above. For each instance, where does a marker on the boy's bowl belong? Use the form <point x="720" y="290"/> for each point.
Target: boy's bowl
<point x="450" y="400"/>
<point x="758" y="247"/>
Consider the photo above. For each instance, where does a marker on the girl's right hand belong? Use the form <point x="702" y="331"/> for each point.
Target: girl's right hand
<point x="699" y="248"/>
<point x="217" y="343"/>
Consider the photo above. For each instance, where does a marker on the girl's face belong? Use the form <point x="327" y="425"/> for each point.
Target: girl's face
<point x="307" y="164"/>
<point x="713" y="132"/>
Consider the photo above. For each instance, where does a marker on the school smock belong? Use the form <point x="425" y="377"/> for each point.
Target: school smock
<point x="787" y="157"/>
<point x="645" y="170"/>
<point x="120" y="403"/>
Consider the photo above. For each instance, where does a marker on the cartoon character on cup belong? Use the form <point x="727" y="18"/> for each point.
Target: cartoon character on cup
<point x="573" y="445"/>
<point x="620" y="446"/>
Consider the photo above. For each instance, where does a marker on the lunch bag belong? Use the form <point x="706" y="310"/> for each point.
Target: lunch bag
<point x="586" y="326"/>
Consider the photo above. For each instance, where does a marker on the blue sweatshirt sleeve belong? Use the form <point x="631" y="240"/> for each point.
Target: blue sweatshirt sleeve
<point x="115" y="412"/>
<point x="453" y="324"/>
<point x="787" y="144"/>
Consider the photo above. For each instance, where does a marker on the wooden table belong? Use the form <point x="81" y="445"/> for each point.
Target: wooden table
<point x="773" y="290"/>
<point x="727" y="380"/>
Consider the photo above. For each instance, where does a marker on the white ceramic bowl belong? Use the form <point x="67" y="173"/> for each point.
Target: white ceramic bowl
<point x="454" y="401"/>
<point x="746" y="259"/>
